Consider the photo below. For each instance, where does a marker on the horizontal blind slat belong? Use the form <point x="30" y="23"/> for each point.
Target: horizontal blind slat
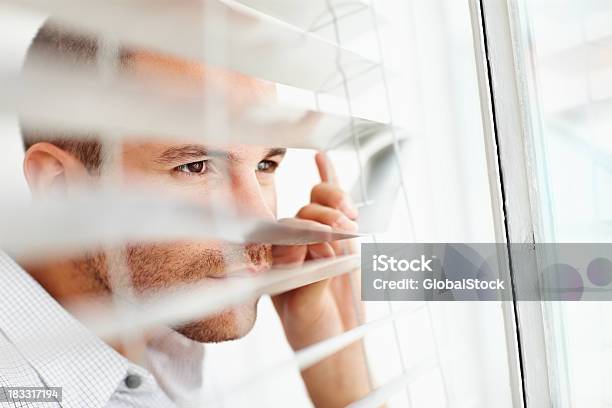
<point x="317" y="352"/>
<point x="308" y="356"/>
<point x="198" y="301"/>
<point x="89" y="219"/>
<point x="380" y="395"/>
<point x="75" y="99"/>
<point x="354" y="17"/>
<point x="220" y="32"/>
<point x="110" y="318"/>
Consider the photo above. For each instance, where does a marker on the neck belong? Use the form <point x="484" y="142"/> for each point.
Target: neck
<point x="68" y="281"/>
<point x="73" y="281"/>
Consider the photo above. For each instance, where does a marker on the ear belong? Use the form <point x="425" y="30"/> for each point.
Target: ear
<point x="48" y="167"/>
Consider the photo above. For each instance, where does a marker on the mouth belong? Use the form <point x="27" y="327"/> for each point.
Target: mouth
<point x="242" y="270"/>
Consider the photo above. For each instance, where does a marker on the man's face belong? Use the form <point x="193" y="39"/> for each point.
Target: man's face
<point x="237" y="175"/>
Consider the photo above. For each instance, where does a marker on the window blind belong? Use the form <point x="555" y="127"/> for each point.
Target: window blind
<point x="298" y="44"/>
<point x="284" y="52"/>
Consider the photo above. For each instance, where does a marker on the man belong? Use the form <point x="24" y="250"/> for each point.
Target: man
<point x="111" y="375"/>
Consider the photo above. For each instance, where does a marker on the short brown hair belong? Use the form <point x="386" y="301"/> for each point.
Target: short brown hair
<point x="70" y="47"/>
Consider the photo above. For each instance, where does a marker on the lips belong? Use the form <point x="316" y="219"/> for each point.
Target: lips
<point x="243" y="270"/>
<point x="243" y="262"/>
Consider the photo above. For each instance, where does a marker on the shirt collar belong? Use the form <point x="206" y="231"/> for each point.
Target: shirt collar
<point x="31" y="319"/>
<point x="176" y="363"/>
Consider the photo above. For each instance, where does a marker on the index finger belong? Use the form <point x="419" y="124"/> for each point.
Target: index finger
<point x="326" y="168"/>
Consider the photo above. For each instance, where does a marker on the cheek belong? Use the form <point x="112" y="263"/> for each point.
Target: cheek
<point x="269" y="195"/>
<point x="157" y="266"/>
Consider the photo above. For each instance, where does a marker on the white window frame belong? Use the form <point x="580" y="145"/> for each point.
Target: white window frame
<point x="503" y="59"/>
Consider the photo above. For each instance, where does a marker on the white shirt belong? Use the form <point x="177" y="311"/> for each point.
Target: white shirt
<point x="91" y="373"/>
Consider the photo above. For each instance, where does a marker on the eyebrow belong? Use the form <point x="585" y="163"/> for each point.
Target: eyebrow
<point x="277" y="151"/>
<point x="183" y="153"/>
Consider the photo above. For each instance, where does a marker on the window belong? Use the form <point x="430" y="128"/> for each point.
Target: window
<point x="567" y="45"/>
<point x="446" y="121"/>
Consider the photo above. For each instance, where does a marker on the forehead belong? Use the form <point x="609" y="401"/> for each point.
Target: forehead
<point x="234" y="91"/>
<point x="191" y="77"/>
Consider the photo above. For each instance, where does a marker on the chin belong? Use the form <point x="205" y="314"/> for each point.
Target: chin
<point x="230" y="324"/>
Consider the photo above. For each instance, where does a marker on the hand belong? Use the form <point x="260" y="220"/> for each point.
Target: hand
<point x="325" y="309"/>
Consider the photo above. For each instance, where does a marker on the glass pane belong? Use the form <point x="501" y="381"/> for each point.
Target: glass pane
<point x="570" y="43"/>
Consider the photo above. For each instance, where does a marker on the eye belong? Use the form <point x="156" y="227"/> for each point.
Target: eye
<point x="267" y="166"/>
<point x="198" y="167"/>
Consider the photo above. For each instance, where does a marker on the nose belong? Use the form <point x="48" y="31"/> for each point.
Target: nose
<point x="249" y="198"/>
